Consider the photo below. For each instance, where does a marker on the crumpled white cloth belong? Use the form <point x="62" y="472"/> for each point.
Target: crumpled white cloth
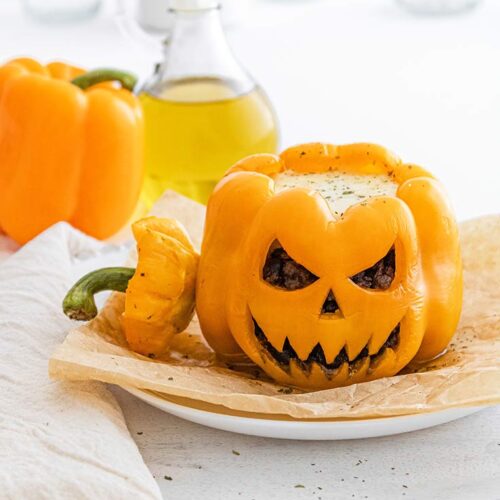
<point x="57" y="440"/>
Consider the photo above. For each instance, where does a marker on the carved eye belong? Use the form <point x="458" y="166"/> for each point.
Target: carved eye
<point x="380" y="275"/>
<point x="281" y="271"/>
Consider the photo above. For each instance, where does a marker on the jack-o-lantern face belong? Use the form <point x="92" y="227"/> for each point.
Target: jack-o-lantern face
<point x="317" y="301"/>
<point x="318" y="318"/>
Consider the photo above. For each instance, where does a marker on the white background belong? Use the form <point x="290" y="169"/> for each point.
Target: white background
<point x="338" y="71"/>
<point x="344" y="71"/>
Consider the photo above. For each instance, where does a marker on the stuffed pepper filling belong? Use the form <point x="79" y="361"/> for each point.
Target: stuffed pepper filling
<point x="339" y="189"/>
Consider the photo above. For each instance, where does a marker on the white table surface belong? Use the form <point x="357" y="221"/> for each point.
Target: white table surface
<point x="340" y="71"/>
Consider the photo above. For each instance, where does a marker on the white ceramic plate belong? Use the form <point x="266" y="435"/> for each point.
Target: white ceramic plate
<point x="282" y="427"/>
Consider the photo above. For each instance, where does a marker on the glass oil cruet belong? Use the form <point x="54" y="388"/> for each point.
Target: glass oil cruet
<point x="203" y="112"/>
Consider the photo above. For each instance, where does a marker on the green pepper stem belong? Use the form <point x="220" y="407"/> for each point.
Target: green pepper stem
<point x="127" y="80"/>
<point x="79" y="302"/>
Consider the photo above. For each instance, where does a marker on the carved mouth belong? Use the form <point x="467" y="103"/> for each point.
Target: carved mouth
<point x="317" y="355"/>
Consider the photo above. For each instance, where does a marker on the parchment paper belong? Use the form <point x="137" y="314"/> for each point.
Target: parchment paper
<point x="467" y="375"/>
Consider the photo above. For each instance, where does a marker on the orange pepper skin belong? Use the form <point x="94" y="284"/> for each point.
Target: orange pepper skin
<point x="66" y="154"/>
<point x="245" y="216"/>
<point x="159" y="300"/>
<point x="441" y="261"/>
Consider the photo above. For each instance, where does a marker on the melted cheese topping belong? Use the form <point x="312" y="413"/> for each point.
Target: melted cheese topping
<point x="339" y="189"/>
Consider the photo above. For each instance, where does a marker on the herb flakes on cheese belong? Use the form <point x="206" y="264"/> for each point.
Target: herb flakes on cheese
<point x="339" y="189"/>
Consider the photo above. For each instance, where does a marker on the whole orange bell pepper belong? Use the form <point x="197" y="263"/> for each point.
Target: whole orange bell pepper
<point x="70" y="148"/>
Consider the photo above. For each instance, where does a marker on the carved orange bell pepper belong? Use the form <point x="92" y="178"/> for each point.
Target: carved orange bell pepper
<point x="320" y="298"/>
<point x="70" y="148"/>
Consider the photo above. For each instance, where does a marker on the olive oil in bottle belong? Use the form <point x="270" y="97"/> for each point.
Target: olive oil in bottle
<point x="197" y="129"/>
<point x="202" y="111"/>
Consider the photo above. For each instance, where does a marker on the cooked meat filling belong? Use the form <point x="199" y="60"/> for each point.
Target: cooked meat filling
<point x="317" y="355"/>
<point x="380" y="275"/>
<point x="282" y="271"/>
<point x="330" y="306"/>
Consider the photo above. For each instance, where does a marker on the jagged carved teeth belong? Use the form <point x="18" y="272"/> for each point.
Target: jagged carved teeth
<point x="317" y="355"/>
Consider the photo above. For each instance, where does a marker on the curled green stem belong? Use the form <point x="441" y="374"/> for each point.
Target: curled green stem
<point x="79" y="302"/>
<point x="127" y="80"/>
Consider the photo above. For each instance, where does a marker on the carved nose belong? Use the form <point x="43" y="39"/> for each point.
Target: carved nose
<point x="330" y="305"/>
